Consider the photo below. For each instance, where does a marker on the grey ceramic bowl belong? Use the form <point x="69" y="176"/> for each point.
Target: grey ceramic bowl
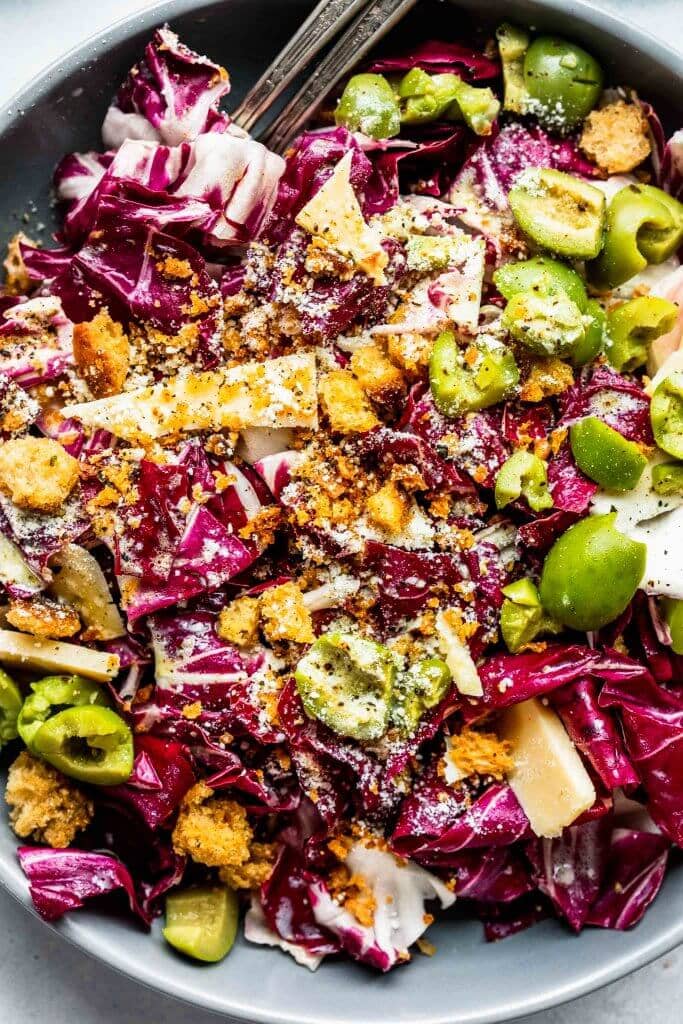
<point x="467" y="980"/>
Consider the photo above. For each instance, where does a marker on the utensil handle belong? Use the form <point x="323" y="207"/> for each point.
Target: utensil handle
<point x="371" y="24"/>
<point x="327" y="19"/>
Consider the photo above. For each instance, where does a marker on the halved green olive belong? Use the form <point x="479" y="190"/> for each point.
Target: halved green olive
<point x="605" y="455"/>
<point x="459" y="386"/>
<point x="368" y="105"/>
<point x="549" y="324"/>
<point x="666" y="414"/>
<point x="559" y="212"/>
<point x="633" y="326"/>
<point x="540" y="272"/>
<point x="202" y="922"/>
<point x="523" y="476"/>
<point x="88" y="743"/>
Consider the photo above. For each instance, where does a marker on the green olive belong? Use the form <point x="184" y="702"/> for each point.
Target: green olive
<point x="202" y="922"/>
<point x="563" y="82"/>
<point x="459" y="387"/>
<point x="633" y="326"/>
<point x="368" y="105"/>
<point x="549" y="324"/>
<point x="559" y="212"/>
<point x="666" y="414"/>
<point x="593" y="341"/>
<point x="540" y="272"/>
<point x="591" y="574"/>
<point x="605" y="456"/>
<point x="524" y="475"/>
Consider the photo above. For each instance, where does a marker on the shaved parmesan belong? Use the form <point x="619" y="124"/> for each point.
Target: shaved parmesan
<point x="276" y="393"/>
<point x="334" y="217"/>
<point x="458" y="658"/>
<point x="80" y="582"/>
<point x="549" y="778"/>
<point x="36" y="654"/>
<point x="15" y="573"/>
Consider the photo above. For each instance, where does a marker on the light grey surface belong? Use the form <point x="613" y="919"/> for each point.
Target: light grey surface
<point x="42" y="978"/>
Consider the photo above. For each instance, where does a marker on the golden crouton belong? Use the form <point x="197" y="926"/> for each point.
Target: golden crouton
<point x="214" y="831"/>
<point x="37" y="473"/>
<point x="238" y="623"/>
<point x="17" y="280"/>
<point x="43" y="804"/>
<point x="43" y="617"/>
<point x="284" y="616"/>
<point x="380" y="379"/>
<point x="389" y="508"/>
<point x="546" y="377"/>
<point x="410" y="351"/>
<point x="345" y="403"/>
<point x="102" y="353"/>
<point x="616" y="137"/>
<point x="480" y="753"/>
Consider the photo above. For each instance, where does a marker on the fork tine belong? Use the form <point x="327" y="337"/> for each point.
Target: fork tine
<point x="371" y="24"/>
<point x="327" y="19"/>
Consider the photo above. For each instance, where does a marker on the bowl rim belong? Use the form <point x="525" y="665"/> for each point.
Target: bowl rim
<point x="79" y="933"/>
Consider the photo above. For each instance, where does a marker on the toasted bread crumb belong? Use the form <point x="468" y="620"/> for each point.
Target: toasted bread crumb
<point x="389" y="508"/>
<point x="17" y="280"/>
<point x="238" y="623"/>
<point x="42" y="617"/>
<point x="43" y="804"/>
<point x="345" y="402"/>
<point x="380" y="379"/>
<point x="284" y="616"/>
<point x="214" y="831"/>
<point x="102" y="354"/>
<point x="37" y="473"/>
<point x="616" y="137"/>
<point x="546" y="377"/>
<point x="480" y="753"/>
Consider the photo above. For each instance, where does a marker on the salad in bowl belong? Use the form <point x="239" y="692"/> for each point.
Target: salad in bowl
<point x="341" y="500"/>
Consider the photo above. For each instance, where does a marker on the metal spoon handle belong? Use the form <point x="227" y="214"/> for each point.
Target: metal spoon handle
<point x="326" y="19"/>
<point x="371" y="24"/>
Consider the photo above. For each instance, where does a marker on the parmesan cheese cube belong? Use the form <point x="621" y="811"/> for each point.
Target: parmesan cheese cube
<point x="334" y="217"/>
<point x="548" y="778"/>
<point x="33" y="653"/>
<point x="276" y="393"/>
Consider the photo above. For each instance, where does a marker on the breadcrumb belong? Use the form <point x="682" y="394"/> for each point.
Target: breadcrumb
<point x="546" y="377"/>
<point x="214" y="831"/>
<point x="389" y="508"/>
<point x="380" y="379"/>
<point x="43" y="617"/>
<point x="345" y="402"/>
<point x="354" y="893"/>
<point x="43" y="804"/>
<point x="37" y="473"/>
<point x="17" y="280"/>
<point x="616" y="137"/>
<point x="284" y="616"/>
<point x="480" y="753"/>
<point x="102" y="354"/>
<point x="410" y="351"/>
<point x="239" y="622"/>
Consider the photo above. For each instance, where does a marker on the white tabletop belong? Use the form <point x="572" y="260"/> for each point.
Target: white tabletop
<point x="42" y="978"/>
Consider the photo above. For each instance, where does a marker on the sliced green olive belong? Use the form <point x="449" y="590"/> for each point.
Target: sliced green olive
<point x="633" y="326"/>
<point x="513" y="42"/>
<point x="523" y="476"/>
<point x="591" y="574"/>
<point x="559" y="212"/>
<point x="540" y="272"/>
<point x="459" y="386"/>
<point x="89" y="743"/>
<point x="426" y="253"/>
<point x="666" y="414"/>
<point x="593" y="342"/>
<point x="673" y="613"/>
<point x="667" y="478"/>
<point x="522" y="617"/>
<point x="368" y="105"/>
<point x="641" y="228"/>
<point x="417" y="690"/>
<point x="563" y="82"/>
<point x="347" y="682"/>
<point x="549" y="324"/>
<point x="202" y="922"/>
<point x="10" y="706"/>
<point x="53" y="694"/>
<point x="605" y="455"/>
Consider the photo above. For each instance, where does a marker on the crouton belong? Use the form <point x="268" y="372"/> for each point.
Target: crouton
<point x="284" y="616"/>
<point x="43" y="804"/>
<point x="214" y="831"/>
<point x="42" y="617"/>
<point x="479" y="753"/>
<point x="238" y="623"/>
<point x="17" y="280"/>
<point x="546" y="377"/>
<point x="410" y="351"/>
<point x="345" y="403"/>
<point x="616" y="137"/>
<point x="380" y="379"/>
<point x="102" y="354"/>
<point x="37" y="473"/>
<point x="389" y="508"/>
